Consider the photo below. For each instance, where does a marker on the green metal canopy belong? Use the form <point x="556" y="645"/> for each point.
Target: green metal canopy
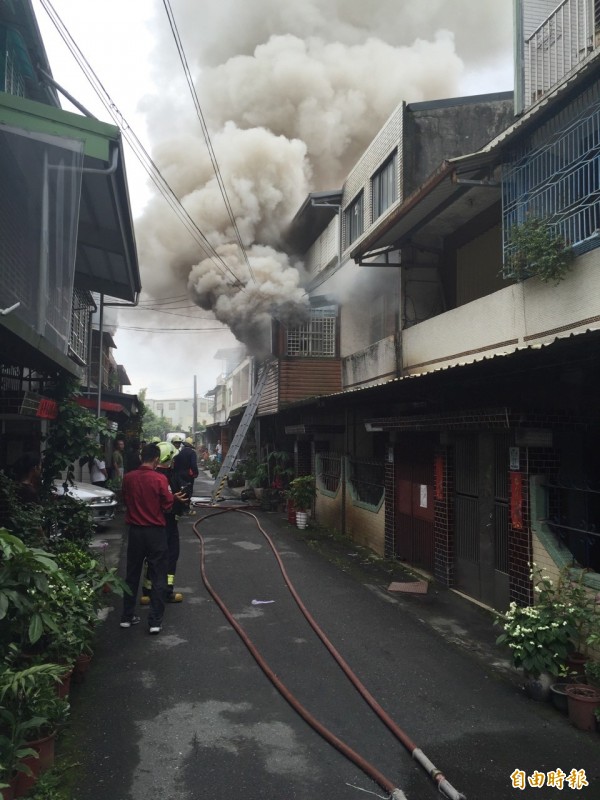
<point x="106" y="260"/>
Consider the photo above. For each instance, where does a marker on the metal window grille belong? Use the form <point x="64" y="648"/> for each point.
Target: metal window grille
<point x="329" y="470"/>
<point x="80" y="324"/>
<point x="556" y="175"/>
<point x="367" y="480"/>
<point x="315" y="337"/>
<point x="13" y="78"/>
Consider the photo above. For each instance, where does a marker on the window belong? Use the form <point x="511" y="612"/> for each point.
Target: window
<point x="171" y="406"/>
<point x="315" y="337"/>
<point x="384" y="187"/>
<point x="159" y="406"/>
<point x="353" y="218"/>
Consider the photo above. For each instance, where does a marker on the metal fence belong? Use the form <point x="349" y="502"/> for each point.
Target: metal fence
<point x="329" y="469"/>
<point x="367" y="480"/>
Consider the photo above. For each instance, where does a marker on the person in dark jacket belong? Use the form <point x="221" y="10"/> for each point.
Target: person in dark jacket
<point x="147" y="496"/>
<point x="185" y="463"/>
<point x="132" y="456"/>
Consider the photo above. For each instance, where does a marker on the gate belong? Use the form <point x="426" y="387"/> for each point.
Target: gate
<point x="481" y="517"/>
<point x="414" y="506"/>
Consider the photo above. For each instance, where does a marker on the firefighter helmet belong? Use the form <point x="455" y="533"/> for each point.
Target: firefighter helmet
<point x="167" y="453"/>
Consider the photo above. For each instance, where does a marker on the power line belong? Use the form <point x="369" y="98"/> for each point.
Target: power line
<point x="170" y="330"/>
<point x="137" y="147"/>
<point x="205" y="132"/>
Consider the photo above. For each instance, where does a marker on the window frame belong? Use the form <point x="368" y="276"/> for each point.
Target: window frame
<point x="354" y="219"/>
<point x="382" y="189"/>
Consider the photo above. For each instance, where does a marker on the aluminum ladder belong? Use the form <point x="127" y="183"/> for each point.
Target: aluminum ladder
<point x="240" y="435"/>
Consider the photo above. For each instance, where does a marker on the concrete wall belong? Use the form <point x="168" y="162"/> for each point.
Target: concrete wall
<point x="366" y="527"/>
<point x="519" y="315"/>
<point x="444" y="129"/>
<point x="371" y="364"/>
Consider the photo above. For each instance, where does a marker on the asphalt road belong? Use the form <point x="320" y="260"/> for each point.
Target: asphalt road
<point x="189" y="714"/>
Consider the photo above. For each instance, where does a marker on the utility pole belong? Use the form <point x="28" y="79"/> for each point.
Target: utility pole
<point x="195" y="413"/>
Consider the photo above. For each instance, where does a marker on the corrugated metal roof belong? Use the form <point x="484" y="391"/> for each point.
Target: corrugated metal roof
<point x="450" y="368"/>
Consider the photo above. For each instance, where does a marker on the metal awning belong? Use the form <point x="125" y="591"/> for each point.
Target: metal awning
<point x="454" y="194"/>
<point x="106" y="260"/>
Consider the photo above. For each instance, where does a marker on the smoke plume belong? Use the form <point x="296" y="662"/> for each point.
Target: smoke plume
<point x="293" y="93"/>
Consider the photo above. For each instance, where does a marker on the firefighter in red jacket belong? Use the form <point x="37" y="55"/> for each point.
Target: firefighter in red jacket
<point x="179" y="507"/>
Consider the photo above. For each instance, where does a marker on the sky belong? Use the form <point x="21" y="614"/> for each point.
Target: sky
<point x="287" y="96"/>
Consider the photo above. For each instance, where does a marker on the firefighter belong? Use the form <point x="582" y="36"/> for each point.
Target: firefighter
<point x="186" y="463"/>
<point x="165" y="466"/>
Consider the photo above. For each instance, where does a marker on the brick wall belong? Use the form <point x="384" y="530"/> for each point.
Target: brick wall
<point x="444" y="521"/>
<point x="389" y="482"/>
<point x="533" y="461"/>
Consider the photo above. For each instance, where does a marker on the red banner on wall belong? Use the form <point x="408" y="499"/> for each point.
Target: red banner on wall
<point x="47" y="409"/>
<point x="516" y="500"/>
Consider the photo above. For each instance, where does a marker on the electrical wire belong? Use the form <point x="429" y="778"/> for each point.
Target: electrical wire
<point x="213" y="157"/>
<point x="137" y="147"/>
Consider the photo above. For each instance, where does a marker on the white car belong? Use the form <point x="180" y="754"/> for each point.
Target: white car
<point x="101" y="502"/>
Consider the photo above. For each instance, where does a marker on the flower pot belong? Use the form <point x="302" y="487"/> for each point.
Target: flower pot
<point x="291" y="513"/>
<point x="582" y="701"/>
<point x="44" y="748"/>
<point x="301" y="519"/>
<point x="64" y="686"/>
<point x="538" y="686"/>
<point x="81" y="666"/>
<point x="576" y="667"/>
<point x="558" y="696"/>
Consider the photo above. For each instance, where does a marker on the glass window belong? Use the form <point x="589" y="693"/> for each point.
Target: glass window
<point x="354" y="220"/>
<point x="384" y="187"/>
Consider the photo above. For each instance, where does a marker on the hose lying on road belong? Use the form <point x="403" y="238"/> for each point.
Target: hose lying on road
<point x="435" y="774"/>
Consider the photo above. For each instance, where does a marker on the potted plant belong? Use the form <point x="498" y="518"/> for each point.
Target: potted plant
<point x="542" y="637"/>
<point x="539" y="644"/>
<point x="31" y="714"/>
<point x="302" y="492"/>
<point x="583" y="702"/>
<point x="15" y="752"/>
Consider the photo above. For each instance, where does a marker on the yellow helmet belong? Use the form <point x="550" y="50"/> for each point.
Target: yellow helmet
<point x="189" y="440"/>
<point x="167" y="453"/>
<point x="155" y="440"/>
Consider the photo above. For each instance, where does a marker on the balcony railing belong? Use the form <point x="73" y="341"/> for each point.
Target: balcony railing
<point x="560" y="43"/>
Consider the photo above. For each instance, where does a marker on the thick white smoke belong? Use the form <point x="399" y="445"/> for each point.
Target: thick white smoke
<point x="293" y="92"/>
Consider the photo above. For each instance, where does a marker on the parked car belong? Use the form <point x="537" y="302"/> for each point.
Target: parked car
<point x="101" y="502"/>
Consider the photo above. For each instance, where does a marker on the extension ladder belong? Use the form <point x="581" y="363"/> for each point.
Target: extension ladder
<point x="240" y="435"/>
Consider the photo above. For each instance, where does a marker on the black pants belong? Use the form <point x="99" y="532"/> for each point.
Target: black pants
<point x="172" y="550"/>
<point x="150" y="544"/>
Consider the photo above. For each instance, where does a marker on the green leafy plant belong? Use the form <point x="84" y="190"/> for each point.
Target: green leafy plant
<point x="539" y="642"/>
<point x="74" y="433"/>
<point x="28" y="697"/>
<point x="14" y="747"/>
<point x="302" y="491"/>
<point x="534" y="249"/>
<point x="25" y="577"/>
<point x="564" y="619"/>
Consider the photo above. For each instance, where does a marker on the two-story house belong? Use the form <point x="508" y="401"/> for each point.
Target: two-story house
<point x="65" y="231"/>
<point x="463" y="435"/>
<point x="489" y="432"/>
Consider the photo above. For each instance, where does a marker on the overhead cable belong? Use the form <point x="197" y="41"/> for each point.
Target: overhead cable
<point x="213" y="157"/>
<point x="137" y="147"/>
